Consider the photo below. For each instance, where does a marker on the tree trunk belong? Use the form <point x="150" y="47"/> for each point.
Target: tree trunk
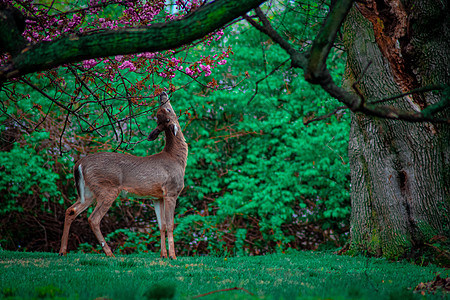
<point x="400" y="171"/>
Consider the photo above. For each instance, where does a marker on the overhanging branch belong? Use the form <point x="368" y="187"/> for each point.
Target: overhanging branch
<point x="325" y="39"/>
<point x="158" y="37"/>
<point x="316" y="71"/>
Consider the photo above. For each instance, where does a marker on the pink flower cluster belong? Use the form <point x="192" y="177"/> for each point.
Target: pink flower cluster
<point x="147" y="55"/>
<point x="107" y="24"/>
<point x="143" y="15"/>
<point x="127" y="65"/>
<point x="206" y="69"/>
<point x="90" y="63"/>
<point x="207" y="64"/>
<point x="47" y="26"/>
<point x="187" y="5"/>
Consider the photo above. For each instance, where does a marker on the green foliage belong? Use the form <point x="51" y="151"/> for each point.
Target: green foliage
<point x="48" y="292"/>
<point x="26" y="172"/>
<point x="296" y="275"/>
<point x="253" y="165"/>
<point x="257" y="181"/>
<point x="133" y="242"/>
<point x="8" y="292"/>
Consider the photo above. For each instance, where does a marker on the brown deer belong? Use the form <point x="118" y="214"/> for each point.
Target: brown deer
<point x="104" y="175"/>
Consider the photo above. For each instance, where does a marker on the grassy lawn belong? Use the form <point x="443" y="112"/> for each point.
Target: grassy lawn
<point x="298" y="275"/>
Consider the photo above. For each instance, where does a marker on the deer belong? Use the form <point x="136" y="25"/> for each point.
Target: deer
<point x="104" y="175"/>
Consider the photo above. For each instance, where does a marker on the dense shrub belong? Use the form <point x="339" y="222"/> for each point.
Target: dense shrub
<point x="258" y="180"/>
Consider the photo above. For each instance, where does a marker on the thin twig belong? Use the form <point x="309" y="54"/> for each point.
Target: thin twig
<point x="265" y="77"/>
<point x="59" y="104"/>
<point x="100" y="5"/>
<point x="424" y="89"/>
<point x="325" y="116"/>
<point x="44" y="118"/>
<point x="62" y="133"/>
<point x="81" y="81"/>
<point x="441" y="251"/>
<point x="224" y="290"/>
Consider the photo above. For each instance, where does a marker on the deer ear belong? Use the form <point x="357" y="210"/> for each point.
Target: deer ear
<point x="154" y="134"/>
<point x="174" y="129"/>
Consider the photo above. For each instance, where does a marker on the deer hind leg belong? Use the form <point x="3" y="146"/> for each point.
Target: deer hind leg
<point x="104" y="202"/>
<point x="71" y="213"/>
<point x="161" y="216"/>
<point x="170" y="203"/>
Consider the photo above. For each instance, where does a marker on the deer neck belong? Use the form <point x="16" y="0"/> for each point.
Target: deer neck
<point x="176" y="146"/>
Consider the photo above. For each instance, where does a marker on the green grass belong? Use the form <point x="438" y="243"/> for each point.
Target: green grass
<point x="298" y="275"/>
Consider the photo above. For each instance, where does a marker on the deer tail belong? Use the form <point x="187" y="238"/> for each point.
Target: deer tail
<point x="79" y="181"/>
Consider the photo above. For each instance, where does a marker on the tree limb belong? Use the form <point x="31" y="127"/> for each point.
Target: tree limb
<point x="325" y="40"/>
<point x="161" y="36"/>
<point x="92" y="127"/>
<point x="265" y="77"/>
<point x="306" y="122"/>
<point x="298" y="60"/>
<point x="316" y="71"/>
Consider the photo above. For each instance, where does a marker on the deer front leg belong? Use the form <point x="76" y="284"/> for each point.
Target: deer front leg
<point x="104" y="202"/>
<point x="71" y="213"/>
<point x="170" y="203"/>
<point x="161" y="216"/>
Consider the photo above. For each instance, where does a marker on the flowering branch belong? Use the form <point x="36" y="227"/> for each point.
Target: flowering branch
<point x="82" y="46"/>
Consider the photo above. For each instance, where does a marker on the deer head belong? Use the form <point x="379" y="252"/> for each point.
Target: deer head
<point x="167" y="120"/>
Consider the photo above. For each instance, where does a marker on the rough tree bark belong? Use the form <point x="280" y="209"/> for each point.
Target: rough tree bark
<point x="400" y="171"/>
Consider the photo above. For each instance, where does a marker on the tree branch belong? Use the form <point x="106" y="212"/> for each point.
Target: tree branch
<point x="298" y="60"/>
<point x="225" y="290"/>
<point x="306" y="122"/>
<point x="316" y="71"/>
<point x="61" y="105"/>
<point x="161" y="36"/>
<point x="265" y="77"/>
<point x="325" y="40"/>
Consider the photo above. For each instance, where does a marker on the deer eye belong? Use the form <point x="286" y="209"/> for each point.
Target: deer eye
<point x="168" y="120"/>
<point x="168" y="109"/>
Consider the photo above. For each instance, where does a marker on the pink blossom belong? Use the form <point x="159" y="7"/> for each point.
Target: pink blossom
<point x="127" y="64"/>
<point x="206" y="69"/>
<point x="219" y="34"/>
<point x="148" y="55"/>
<point x="222" y="62"/>
<point x="189" y="71"/>
<point x="87" y="64"/>
<point x="76" y="20"/>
